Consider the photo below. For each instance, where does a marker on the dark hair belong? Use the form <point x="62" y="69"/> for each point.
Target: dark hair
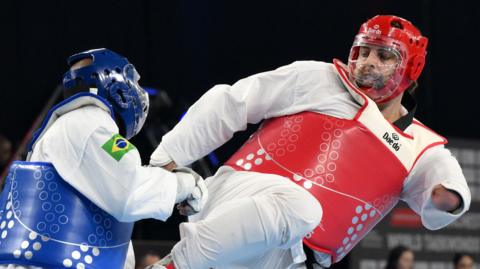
<point x="458" y="256"/>
<point x="396" y="24"/>
<point x="394" y="256"/>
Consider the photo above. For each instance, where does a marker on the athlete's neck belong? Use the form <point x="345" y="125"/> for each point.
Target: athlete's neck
<point x="392" y="110"/>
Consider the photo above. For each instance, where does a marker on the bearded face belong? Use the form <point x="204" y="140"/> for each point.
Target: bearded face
<point x="374" y="67"/>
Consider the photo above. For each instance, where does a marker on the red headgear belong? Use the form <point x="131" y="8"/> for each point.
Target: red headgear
<point x="396" y="35"/>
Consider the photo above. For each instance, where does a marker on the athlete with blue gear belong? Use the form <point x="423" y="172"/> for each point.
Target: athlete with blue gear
<point x="73" y="202"/>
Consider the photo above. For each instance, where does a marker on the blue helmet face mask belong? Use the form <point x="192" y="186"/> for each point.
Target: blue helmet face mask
<point x="113" y="78"/>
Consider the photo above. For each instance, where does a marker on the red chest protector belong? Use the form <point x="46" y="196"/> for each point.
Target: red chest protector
<point x="355" y="168"/>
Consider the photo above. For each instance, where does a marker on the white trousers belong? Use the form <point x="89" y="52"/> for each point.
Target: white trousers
<point x="250" y="221"/>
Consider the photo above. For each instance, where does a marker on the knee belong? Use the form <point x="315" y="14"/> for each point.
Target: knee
<point x="298" y="213"/>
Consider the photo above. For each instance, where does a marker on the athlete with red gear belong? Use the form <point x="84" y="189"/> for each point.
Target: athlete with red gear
<point x="342" y="135"/>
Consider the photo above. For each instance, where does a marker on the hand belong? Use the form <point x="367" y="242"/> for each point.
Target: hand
<point x="445" y="199"/>
<point x="170" y="166"/>
<point x="160" y="158"/>
<point x="195" y="201"/>
<point x="196" y="198"/>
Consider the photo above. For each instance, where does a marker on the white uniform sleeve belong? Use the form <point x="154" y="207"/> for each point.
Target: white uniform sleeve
<point x="123" y="188"/>
<point x="225" y="109"/>
<point x="435" y="166"/>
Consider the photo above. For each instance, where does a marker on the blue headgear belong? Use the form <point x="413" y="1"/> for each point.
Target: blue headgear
<point x="115" y="80"/>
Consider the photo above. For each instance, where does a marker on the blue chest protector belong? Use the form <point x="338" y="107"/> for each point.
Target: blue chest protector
<point x="46" y="222"/>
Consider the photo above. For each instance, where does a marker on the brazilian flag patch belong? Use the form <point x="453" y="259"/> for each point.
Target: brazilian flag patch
<point x="117" y="146"/>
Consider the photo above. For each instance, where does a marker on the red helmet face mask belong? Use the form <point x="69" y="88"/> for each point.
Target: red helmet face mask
<point x="387" y="56"/>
